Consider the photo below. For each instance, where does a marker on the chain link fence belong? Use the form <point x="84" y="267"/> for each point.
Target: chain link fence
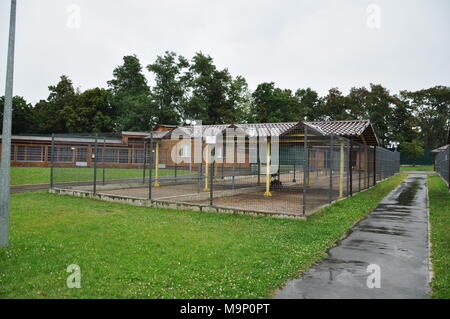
<point x="293" y="174"/>
<point x="442" y="162"/>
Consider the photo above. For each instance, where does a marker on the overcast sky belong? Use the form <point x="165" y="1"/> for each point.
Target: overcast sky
<point x="320" y="44"/>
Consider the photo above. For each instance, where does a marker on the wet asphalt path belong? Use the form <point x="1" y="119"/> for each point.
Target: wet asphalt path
<point x="394" y="237"/>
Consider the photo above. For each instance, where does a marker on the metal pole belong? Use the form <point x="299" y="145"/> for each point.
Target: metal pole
<point x="305" y="163"/>
<point x="294" y="180"/>
<point x="103" y="161"/>
<point x="211" y="183"/>
<point x="367" y="177"/>
<point x="51" y="161"/>
<point x="150" y="162"/>
<point x="176" y="159"/>
<point x="156" y="164"/>
<point x="374" y="165"/>
<point x="95" y="164"/>
<point x="268" y="155"/>
<point x="341" y="168"/>
<point x="448" y="160"/>
<point x="359" y="168"/>
<point x="145" y="162"/>
<point x="175" y="170"/>
<point x="258" y="159"/>
<point x="200" y="176"/>
<point x="232" y="179"/>
<point x="350" y="170"/>
<point x="330" y="187"/>
<point x="6" y="137"/>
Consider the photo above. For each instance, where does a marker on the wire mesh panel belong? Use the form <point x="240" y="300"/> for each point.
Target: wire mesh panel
<point x="388" y="163"/>
<point x="293" y="173"/>
<point x="175" y="175"/>
<point x="96" y="162"/>
<point x="443" y="164"/>
<point x="72" y="161"/>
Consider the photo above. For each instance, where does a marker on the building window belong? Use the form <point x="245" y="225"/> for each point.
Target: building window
<point x="185" y="150"/>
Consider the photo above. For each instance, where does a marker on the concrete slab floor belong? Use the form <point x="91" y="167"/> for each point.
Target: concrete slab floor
<point x="394" y="237"/>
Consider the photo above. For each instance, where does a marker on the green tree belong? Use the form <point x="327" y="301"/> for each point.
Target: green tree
<point x="23" y="120"/>
<point x="412" y="149"/>
<point x="432" y="111"/>
<point x="171" y="88"/>
<point x="92" y="113"/>
<point x="215" y="97"/>
<point x="376" y="105"/>
<point x="311" y="106"/>
<point x="50" y="114"/>
<point x="271" y="104"/>
<point x="403" y="124"/>
<point x="241" y="98"/>
<point x="130" y="98"/>
<point x="336" y="106"/>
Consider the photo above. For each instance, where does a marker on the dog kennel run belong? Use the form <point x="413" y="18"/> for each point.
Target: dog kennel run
<point x="277" y="168"/>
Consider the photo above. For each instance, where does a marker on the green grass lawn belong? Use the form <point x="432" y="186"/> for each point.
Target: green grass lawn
<point x="38" y="175"/>
<point x="417" y="168"/>
<point x="138" y="252"/>
<point x="439" y="197"/>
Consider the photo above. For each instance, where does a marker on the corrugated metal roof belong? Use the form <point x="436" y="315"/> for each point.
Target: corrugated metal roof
<point x="64" y="139"/>
<point x="439" y="149"/>
<point x="341" y="128"/>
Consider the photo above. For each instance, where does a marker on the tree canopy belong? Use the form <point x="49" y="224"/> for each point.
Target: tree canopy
<point x="197" y="89"/>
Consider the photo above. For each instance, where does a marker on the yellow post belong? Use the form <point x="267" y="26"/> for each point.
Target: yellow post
<point x="156" y="184"/>
<point x="268" y="193"/>
<point x="206" y="188"/>
<point x="341" y="170"/>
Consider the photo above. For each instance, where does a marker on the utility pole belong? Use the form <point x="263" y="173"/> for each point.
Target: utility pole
<point x="6" y="136"/>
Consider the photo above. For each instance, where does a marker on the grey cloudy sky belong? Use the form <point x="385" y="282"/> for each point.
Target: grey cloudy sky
<point x="294" y="43"/>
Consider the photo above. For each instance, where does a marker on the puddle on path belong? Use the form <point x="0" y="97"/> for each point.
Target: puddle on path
<point x="406" y="197"/>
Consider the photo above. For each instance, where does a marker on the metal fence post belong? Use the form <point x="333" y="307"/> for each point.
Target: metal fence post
<point x="258" y="156"/>
<point x="200" y="176"/>
<point x="350" y="170"/>
<point x="233" y="177"/>
<point x="103" y="161"/>
<point x="145" y="162"/>
<point x="330" y="188"/>
<point x="305" y="163"/>
<point x="374" y="165"/>
<point x="367" y="177"/>
<point x="175" y="168"/>
<point x="175" y="171"/>
<point x="294" y="180"/>
<point x="359" y="168"/>
<point x="150" y="162"/>
<point x="95" y="164"/>
<point x="51" y="161"/>
<point x="448" y="166"/>
<point x="211" y="182"/>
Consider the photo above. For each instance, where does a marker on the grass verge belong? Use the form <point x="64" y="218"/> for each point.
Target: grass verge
<point x="439" y="197"/>
<point x="41" y="175"/>
<point x="138" y="252"/>
<point x="416" y="168"/>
